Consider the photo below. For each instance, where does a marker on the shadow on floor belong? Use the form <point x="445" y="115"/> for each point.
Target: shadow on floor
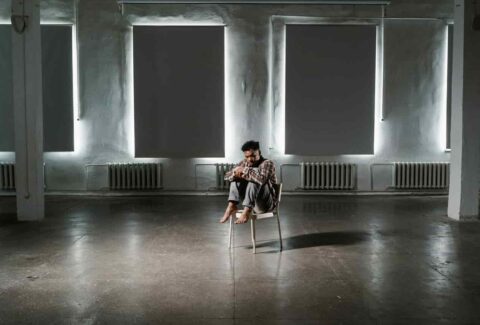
<point x="8" y="219"/>
<point x="319" y="239"/>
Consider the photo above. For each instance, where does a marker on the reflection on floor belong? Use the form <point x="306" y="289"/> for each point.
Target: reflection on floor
<point x="354" y="260"/>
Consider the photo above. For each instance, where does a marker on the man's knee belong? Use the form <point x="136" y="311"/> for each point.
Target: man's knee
<point x="252" y="186"/>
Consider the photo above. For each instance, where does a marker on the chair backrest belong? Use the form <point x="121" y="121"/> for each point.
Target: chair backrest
<point x="278" y="191"/>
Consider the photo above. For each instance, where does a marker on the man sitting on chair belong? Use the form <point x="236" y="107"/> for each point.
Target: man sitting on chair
<point x="252" y="182"/>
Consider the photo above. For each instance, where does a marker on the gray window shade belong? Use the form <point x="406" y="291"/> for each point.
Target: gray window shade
<point x="6" y="109"/>
<point x="57" y="88"/>
<point x="179" y="91"/>
<point x="330" y="89"/>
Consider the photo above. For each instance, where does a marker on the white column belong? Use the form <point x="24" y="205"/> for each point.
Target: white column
<point x="28" y="110"/>
<point x="465" y="131"/>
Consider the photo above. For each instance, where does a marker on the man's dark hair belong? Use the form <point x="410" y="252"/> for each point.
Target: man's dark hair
<point x="251" y="145"/>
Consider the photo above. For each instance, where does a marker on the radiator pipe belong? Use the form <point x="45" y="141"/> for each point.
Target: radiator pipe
<point x="371" y="171"/>
<point x="206" y="164"/>
<point x="281" y="170"/>
<point x="195" y="173"/>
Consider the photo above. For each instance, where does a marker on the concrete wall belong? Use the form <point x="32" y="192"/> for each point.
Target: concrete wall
<point x="414" y="94"/>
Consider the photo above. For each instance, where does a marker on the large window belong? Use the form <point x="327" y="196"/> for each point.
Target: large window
<point x="6" y="109"/>
<point x="330" y="89"/>
<point x="179" y="91"/>
<point x="57" y="88"/>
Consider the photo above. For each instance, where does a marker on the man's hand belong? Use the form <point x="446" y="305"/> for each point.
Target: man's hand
<point x="237" y="172"/>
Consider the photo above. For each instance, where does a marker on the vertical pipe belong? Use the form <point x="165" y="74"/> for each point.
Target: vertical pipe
<point x="144" y="180"/>
<point x="343" y="169"/>
<point x="416" y="174"/>
<point x="307" y="176"/>
<point x="12" y="176"/>
<point x="114" y="176"/>
<point x="138" y="168"/>
<point x="328" y="171"/>
<point x="159" y="175"/>
<point x="5" y="177"/>
<point x="130" y="175"/>
<point x="352" y="176"/>
<point x="442" y="173"/>
<point x="422" y="179"/>
<point x="149" y="175"/>
<point x="322" y="167"/>
<point x="109" y="169"/>
<point x="347" y="176"/>
<point x="124" y="175"/>
<point x="2" y="176"/>
<point x="448" y="175"/>
<point x="217" y="173"/>
<point x="153" y="176"/>
<point x="337" y="175"/>
<point x="396" y="174"/>
<point x="302" y="175"/>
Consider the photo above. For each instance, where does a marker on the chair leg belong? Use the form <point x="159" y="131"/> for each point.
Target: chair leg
<point x="231" y="233"/>
<point x="252" y="224"/>
<point x="279" y="231"/>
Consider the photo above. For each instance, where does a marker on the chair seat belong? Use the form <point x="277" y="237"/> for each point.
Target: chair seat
<point x="255" y="215"/>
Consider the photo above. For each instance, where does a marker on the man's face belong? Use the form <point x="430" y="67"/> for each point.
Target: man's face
<point x="252" y="156"/>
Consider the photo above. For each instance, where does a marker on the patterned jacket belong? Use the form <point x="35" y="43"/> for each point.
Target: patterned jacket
<point x="263" y="174"/>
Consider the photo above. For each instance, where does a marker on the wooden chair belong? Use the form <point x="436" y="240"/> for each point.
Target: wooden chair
<point x="259" y="216"/>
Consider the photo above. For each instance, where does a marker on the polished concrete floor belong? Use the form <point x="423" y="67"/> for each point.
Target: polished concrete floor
<point x="164" y="260"/>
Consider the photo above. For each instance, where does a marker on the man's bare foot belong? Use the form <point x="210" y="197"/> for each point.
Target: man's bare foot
<point x="231" y="210"/>
<point x="244" y="216"/>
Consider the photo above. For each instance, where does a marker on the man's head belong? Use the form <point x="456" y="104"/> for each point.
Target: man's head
<point x="251" y="150"/>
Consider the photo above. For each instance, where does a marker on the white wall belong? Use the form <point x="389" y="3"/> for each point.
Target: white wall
<point x="413" y="129"/>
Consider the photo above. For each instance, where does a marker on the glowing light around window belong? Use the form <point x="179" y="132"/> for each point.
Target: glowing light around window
<point x="442" y="140"/>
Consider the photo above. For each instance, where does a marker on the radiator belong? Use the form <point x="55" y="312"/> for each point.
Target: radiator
<point x="410" y="175"/>
<point x="137" y="176"/>
<point x="7" y="176"/>
<point x="221" y="170"/>
<point x="327" y="176"/>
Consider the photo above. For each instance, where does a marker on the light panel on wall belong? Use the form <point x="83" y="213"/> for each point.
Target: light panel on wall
<point x="229" y="118"/>
<point x="379" y="76"/>
<point x="447" y="114"/>
<point x="79" y="132"/>
<point x="281" y="134"/>
<point x="131" y="101"/>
